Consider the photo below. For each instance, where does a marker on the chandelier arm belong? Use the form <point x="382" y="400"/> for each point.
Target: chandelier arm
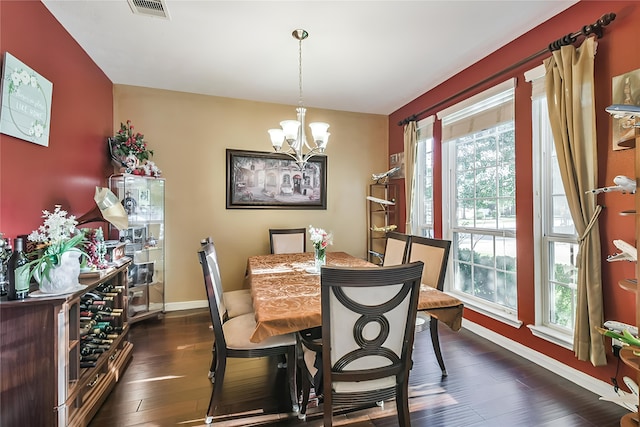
<point x="293" y="154"/>
<point x="299" y="157"/>
<point x="312" y="153"/>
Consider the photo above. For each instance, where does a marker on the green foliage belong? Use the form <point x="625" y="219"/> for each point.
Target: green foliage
<point x="485" y="171"/>
<point x="478" y="277"/>
<point x="563" y="297"/>
<point x="52" y="254"/>
<point x="476" y="280"/>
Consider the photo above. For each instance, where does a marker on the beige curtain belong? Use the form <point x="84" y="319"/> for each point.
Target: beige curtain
<point x="410" y="146"/>
<point x="570" y="95"/>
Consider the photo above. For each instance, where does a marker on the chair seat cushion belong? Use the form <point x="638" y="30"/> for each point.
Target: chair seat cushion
<point x="238" y="330"/>
<point x="442" y="306"/>
<point x="238" y="302"/>
<point x="359" y="386"/>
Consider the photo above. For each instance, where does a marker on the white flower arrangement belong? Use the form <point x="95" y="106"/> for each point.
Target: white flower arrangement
<point x="57" y="235"/>
<point x="320" y="238"/>
<point x="56" y="228"/>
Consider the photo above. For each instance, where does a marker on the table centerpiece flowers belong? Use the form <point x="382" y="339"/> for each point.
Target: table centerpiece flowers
<point x="56" y="266"/>
<point x="320" y="239"/>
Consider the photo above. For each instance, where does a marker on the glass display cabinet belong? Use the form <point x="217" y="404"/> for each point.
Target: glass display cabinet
<point x="143" y="199"/>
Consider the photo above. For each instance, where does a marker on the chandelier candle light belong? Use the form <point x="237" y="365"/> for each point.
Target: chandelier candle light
<point x="292" y="131"/>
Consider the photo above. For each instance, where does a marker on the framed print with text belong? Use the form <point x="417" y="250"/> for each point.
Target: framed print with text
<point x="26" y="102"/>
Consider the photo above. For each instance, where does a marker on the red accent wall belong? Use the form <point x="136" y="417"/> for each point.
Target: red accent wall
<point x="617" y="53"/>
<point x="32" y="177"/>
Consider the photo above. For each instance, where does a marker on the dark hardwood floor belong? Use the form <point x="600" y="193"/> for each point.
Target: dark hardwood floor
<point x="166" y="384"/>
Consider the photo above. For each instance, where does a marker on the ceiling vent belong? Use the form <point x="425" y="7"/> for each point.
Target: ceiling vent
<point x="155" y="8"/>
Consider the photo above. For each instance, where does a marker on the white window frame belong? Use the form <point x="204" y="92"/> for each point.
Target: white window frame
<point x="483" y="111"/>
<point x="420" y="201"/>
<point x="542" y="147"/>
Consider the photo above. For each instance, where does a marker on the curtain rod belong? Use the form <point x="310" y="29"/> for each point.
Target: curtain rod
<point x="571" y="38"/>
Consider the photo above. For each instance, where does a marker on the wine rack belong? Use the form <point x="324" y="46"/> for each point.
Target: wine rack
<point x="61" y="355"/>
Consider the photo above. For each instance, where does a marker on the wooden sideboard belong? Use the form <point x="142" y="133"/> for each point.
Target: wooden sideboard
<point x="41" y="379"/>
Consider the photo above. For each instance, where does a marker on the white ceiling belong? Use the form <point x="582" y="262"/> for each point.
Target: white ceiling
<point x="361" y="56"/>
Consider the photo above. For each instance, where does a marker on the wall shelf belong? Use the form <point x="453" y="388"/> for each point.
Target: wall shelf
<point x="380" y="218"/>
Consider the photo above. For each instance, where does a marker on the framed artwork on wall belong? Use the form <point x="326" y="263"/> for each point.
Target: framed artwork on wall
<point x="397" y="161"/>
<point x="626" y="91"/>
<point x="26" y="102"/>
<point x="259" y="180"/>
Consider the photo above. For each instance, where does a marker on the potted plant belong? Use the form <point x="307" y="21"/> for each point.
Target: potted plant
<point x="57" y="266"/>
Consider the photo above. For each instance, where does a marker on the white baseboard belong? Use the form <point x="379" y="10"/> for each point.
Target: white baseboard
<point x="185" y="305"/>
<point x="577" y="377"/>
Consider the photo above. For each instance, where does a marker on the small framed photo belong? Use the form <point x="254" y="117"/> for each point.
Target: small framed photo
<point x="144" y="196"/>
<point x="626" y="91"/>
<point x="134" y="238"/>
<point x="397" y="160"/>
<point x="140" y="274"/>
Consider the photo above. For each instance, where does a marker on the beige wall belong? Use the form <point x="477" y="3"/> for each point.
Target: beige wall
<point x="189" y="135"/>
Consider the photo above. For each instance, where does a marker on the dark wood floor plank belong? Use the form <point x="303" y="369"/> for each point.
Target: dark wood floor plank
<point x="166" y="384"/>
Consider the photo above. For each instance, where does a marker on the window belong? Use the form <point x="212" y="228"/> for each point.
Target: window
<point x="555" y="234"/>
<point x="479" y="200"/>
<point x="422" y="209"/>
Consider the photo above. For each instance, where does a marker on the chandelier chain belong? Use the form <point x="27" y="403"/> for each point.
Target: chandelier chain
<point x="300" y="73"/>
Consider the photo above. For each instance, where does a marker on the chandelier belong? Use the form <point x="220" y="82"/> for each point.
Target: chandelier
<point x="292" y="131"/>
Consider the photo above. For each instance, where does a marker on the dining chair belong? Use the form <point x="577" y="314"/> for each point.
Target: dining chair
<point x="288" y="240"/>
<point x="232" y="337"/>
<point x="368" y="322"/>
<point x="434" y="253"/>
<point x="236" y="303"/>
<point x="396" y="247"/>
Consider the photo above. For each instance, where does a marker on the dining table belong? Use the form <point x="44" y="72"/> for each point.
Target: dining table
<point x="286" y="293"/>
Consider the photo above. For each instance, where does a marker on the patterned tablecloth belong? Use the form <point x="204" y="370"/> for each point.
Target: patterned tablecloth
<point x="286" y="297"/>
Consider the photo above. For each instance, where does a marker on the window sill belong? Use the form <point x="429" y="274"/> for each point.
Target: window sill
<point x="552" y="335"/>
<point x="494" y="313"/>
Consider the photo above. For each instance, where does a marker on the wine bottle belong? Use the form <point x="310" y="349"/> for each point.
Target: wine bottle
<point x="18" y="271"/>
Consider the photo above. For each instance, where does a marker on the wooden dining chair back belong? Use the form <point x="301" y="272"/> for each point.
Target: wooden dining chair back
<point x="232" y="337"/>
<point x="368" y="322"/>
<point x="434" y="253"/>
<point x="232" y="303"/>
<point x="236" y="302"/>
<point x="288" y="240"/>
<point x="396" y="248"/>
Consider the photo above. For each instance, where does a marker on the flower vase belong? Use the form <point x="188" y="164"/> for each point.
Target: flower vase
<point x="62" y="278"/>
<point x="320" y="258"/>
